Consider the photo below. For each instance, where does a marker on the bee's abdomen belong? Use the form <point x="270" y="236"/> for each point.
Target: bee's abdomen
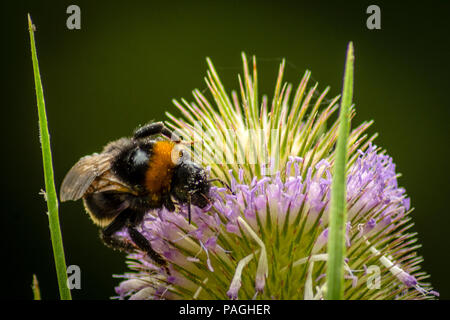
<point x="103" y="207"/>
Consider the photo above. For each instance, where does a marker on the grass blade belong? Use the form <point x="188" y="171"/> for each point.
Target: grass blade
<point x="338" y="213"/>
<point x="35" y="288"/>
<point x="52" y="201"/>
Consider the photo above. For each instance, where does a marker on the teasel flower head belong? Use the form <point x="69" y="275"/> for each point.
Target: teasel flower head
<point x="267" y="239"/>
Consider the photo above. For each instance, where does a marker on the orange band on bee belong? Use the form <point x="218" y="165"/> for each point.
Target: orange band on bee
<point x="160" y="170"/>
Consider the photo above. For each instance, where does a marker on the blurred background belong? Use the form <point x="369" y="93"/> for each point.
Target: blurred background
<point x="130" y="59"/>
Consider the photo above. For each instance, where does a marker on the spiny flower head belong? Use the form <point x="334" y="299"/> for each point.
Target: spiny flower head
<point x="268" y="238"/>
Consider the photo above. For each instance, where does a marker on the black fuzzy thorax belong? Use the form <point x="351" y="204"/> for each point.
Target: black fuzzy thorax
<point x="126" y="166"/>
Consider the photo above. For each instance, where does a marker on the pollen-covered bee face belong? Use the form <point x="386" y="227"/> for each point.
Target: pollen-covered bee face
<point x="190" y="184"/>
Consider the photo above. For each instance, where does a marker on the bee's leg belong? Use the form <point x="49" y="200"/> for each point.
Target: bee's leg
<point x="111" y="240"/>
<point x="153" y="129"/>
<point x="145" y="246"/>
<point x="134" y="218"/>
<point x="168" y="203"/>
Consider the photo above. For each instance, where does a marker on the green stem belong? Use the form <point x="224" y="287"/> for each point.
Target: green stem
<point x="338" y="212"/>
<point x="52" y="201"/>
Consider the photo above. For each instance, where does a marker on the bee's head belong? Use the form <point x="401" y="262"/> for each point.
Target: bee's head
<point x="190" y="184"/>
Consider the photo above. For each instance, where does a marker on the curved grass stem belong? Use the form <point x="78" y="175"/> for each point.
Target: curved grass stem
<point x="50" y="190"/>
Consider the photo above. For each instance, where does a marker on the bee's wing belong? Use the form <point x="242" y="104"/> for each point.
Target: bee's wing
<point x="83" y="173"/>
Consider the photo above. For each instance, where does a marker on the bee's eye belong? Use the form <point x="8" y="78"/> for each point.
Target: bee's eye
<point x="179" y="155"/>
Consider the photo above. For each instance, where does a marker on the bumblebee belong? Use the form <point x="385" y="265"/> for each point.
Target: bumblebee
<point x="132" y="176"/>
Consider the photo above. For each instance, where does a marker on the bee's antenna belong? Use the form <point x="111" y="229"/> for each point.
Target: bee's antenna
<point x="223" y="183"/>
<point x="189" y="209"/>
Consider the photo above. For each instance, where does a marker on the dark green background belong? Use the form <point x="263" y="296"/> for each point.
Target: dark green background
<point x="131" y="58"/>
